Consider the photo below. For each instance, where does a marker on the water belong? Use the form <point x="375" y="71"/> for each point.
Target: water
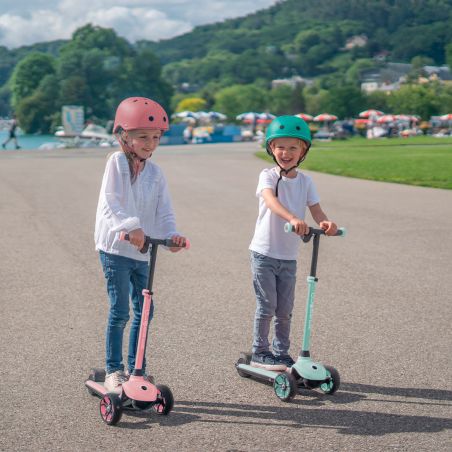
<point x="27" y="141"/>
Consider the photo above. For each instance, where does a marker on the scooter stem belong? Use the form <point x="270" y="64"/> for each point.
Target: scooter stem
<point x="145" y="313"/>
<point x="312" y="281"/>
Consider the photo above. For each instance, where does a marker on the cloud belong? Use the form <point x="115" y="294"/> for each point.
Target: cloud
<point x="24" y="22"/>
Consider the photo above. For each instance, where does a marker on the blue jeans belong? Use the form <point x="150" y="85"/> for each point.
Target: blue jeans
<point x="126" y="279"/>
<point x="274" y="285"/>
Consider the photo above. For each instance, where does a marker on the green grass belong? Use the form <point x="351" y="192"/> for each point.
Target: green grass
<point x="423" y="161"/>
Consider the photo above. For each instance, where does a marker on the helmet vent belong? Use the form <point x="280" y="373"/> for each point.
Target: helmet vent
<point x="151" y="118"/>
<point x="281" y="127"/>
<point x="298" y="128"/>
<point x="145" y="103"/>
<point x="135" y="100"/>
<point x="164" y="119"/>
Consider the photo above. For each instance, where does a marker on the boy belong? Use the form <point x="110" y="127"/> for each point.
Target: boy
<point x="273" y="252"/>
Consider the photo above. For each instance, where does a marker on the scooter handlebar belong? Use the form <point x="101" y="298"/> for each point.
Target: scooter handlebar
<point x="150" y="241"/>
<point x="313" y="231"/>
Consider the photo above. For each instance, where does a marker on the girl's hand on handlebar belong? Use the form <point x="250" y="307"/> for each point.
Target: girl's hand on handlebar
<point x="300" y="227"/>
<point x="136" y="238"/>
<point x="179" y="240"/>
<point x="329" y="227"/>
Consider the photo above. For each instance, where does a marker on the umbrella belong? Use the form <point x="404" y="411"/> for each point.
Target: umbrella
<point x="265" y="118"/>
<point x="369" y="113"/>
<point x="386" y="118"/>
<point x="447" y="117"/>
<point x="216" y="115"/>
<point x="361" y="121"/>
<point x="186" y="114"/>
<point x="305" y="116"/>
<point x="249" y="116"/>
<point x="403" y="117"/>
<point x="325" y="117"/>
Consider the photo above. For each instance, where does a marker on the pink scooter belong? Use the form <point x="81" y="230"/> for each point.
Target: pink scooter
<point x="137" y="393"/>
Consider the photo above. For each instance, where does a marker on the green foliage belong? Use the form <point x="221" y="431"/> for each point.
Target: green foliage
<point x="191" y="104"/>
<point x="421" y="99"/>
<point x="95" y="69"/>
<point x="28" y="74"/>
<point x="237" y="99"/>
<point x="286" y="100"/>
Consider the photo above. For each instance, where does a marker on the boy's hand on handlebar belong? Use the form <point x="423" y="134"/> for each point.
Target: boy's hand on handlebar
<point x="300" y="227"/>
<point x="136" y="238"/>
<point x="329" y="227"/>
<point x="179" y="240"/>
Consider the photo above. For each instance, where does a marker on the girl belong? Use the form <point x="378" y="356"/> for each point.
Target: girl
<point x="133" y="198"/>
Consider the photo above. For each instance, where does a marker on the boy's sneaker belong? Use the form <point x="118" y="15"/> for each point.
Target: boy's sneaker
<point x="285" y="359"/>
<point x="114" y="380"/>
<point x="266" y="360"/>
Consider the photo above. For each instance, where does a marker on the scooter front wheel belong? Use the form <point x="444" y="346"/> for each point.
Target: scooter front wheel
<point x="285" y="386"/>
<point x="111" y="408"/>
<point x="332" y="384"/>
<point x="165" y="400"/>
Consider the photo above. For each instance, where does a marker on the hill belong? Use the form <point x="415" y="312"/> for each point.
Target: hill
<point x="307" y="38"/>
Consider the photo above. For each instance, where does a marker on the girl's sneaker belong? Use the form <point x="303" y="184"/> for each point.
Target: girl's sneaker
<point x="266" y="360"/>
<point x="114" y="380"/>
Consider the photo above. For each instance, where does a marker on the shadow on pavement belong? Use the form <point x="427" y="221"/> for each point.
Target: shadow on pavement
<point x="351" y="422"/>
<point x="344" y="421"/>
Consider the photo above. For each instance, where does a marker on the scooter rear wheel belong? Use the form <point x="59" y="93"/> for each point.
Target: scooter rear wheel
<point x="245" y="358"/>
<point x="331" y="386"/>
<point x="165" y="401"/>
<point x="285" y="386"/>
<point x="111" y="408"/>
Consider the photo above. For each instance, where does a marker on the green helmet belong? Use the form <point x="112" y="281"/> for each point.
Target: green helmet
<point x="287" y="126"/>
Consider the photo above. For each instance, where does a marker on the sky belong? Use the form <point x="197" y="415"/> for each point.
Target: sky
<point x="25" y="22"/>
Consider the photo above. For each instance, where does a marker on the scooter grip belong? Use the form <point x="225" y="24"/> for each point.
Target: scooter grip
<point x="148" y="241"/>
<point x="124" y="236"/>
<point x="290" y="228"/>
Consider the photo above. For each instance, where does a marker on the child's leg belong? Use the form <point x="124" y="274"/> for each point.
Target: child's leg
<point x="264" y="282"/>
<point x="285" y="288"/>
<point x="138" y="282"/>
<point x="117" y="273"/>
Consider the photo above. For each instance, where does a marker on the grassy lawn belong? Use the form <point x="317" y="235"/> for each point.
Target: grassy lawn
<point x="424" y="161"/>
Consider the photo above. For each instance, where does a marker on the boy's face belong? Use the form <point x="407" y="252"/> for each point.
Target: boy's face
<point x="288" y="151"/>
<point x="143" y="141"/>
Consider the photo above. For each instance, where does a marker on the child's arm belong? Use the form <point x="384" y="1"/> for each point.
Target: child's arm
<point x="272" y="202"/>
<point x="321" y="219"/>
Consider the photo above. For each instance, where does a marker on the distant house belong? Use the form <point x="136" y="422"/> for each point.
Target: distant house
<point x="392" y="75"/>
<point x="293" y="82"/>
<point x="355" y="41"/>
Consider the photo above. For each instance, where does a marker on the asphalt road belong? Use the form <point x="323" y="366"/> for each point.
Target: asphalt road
<point x="382" y="312"/>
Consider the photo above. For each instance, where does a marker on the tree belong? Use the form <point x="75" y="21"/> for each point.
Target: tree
<point x="28" y="74"/>
<point x="35" y="113"/>
<point x="191" y="104"/>
<point x="237" y="99"/>
<point x="423" y="100"/>
<point x="449" y="55"/>
<point x="285" y="100"/>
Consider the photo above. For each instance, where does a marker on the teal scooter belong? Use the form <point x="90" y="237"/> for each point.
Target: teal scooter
<point x="305" y="372"/>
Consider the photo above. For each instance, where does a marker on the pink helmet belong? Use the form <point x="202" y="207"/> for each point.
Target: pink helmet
<point x="140" y="113"/>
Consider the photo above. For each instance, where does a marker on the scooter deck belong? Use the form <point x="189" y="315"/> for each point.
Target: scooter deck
<point x="258" y="372"/>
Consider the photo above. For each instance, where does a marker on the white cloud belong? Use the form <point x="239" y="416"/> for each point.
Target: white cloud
<point x="25" y="22"/>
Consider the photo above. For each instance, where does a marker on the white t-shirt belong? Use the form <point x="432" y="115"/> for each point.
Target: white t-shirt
<point x="294" y="194"/>
<point x="123" y="206"/>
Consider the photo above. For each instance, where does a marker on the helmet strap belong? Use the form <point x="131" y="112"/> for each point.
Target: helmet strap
<point x="282" y="170"/>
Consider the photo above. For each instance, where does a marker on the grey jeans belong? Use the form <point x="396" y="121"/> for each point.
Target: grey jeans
<point x="274" y="285"/>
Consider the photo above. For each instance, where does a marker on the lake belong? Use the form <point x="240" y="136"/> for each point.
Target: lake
<point x="26" y="141"/>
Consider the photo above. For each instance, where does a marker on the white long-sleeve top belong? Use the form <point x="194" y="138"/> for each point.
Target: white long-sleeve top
<point x="124" y="206"/>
